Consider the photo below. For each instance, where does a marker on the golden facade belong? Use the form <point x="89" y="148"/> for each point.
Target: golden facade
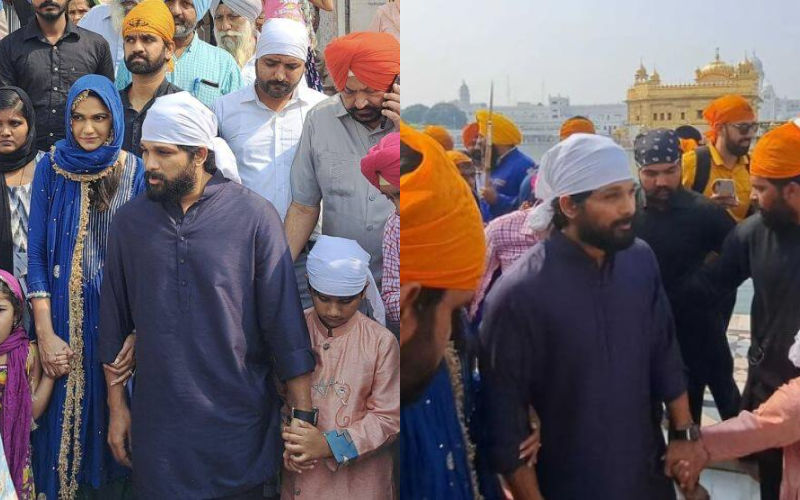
<point x="652" y="104"/>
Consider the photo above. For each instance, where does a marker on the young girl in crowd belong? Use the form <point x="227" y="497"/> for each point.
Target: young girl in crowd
<point x="355" y="385"/>
<point x="24" y="389"/>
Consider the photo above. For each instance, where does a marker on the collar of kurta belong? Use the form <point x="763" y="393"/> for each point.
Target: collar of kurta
<point x="161" y="90"/>
<point x="32" y="30"/>
<point x="339" y="330"/>
<point x="681" y="199"/>
<point x="504" y="156"/>
<point x="252" y="96"/>
<point x="573" y="251"/>
<point x="341" y="113"/>
<point x="213" y="187"/>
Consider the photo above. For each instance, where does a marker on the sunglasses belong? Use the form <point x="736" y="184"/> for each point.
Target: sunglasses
<point x="745" y="128"/>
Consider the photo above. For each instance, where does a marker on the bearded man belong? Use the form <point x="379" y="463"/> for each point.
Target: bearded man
<point x="205" y="71"/>
<point x="106" y="20"/>
<point x="262" y="122"/>
<point x="583" y="314"/>
<point x="235" y="31"/>
<point x="149" y="48"/>
<point x="200" y="268"/>
<point x="337" y="133"/>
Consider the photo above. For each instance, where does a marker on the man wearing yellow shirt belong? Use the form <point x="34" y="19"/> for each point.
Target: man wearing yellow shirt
<point x="732" y="128"/>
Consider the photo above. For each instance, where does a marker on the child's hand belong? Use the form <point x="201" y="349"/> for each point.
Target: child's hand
<point x="305" y="442"/>
<point x="292" y="466"/>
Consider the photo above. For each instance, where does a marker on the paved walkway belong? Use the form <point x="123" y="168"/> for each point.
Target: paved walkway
<point x="731" y="481"/>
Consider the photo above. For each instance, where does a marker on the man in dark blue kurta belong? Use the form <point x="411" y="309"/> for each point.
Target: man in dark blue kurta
<point x="580" y="329"/>
<point x="200" y="268"/>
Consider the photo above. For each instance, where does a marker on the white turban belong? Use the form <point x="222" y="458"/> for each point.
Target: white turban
<point x="183" y="120"/>
<point x="339" y="267"/>
<point x="284" y="37"/>
<point x="582" y="162"/>
<point x="245" y="8"/>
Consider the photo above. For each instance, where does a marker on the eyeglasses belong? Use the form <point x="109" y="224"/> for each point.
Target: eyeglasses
<point x="745" y="128"/>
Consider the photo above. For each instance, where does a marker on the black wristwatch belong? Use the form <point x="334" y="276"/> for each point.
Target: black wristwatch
<point x="306" y="416"/>
<point x="691" y="433"/>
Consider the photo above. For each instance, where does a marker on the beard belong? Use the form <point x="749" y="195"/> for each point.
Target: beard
<point x="276" y="89"/>
<point x="240" y="44"/>
<point x="144" y="66"/>
<point x="660" y="197"/>
<point x="610" y="239"/>
<point x="117" y="15"/>
<point x="369" y="114"/>
<point x="174" y="190"/>
<point x="50" y="16"/>
<point x="780" y="217"/>
<point x="183" y="29"/>
<point x="737" y="148"/>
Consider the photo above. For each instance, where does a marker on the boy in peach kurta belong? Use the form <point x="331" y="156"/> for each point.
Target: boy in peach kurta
<point x="355" y="385"/>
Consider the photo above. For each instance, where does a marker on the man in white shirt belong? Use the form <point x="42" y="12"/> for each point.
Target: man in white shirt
<point x="106" y="20"/>
<point x="262" y="122"/>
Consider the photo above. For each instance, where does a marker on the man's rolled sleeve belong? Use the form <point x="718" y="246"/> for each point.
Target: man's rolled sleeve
<point x="305" y="186"/>
<point x="507" y="371"/>
<point x="280" y="313"/>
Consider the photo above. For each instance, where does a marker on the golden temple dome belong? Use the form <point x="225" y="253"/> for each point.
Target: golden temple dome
<point x="715" y="70"/>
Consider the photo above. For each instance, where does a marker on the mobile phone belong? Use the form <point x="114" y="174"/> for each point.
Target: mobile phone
<point x="724" y="187"/>
<point x="396" y="80"/>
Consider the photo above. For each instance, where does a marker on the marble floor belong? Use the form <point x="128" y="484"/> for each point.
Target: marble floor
<point x="731" y="481"/>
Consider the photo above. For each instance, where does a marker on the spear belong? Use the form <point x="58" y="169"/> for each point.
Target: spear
<point x="487" y="150"/>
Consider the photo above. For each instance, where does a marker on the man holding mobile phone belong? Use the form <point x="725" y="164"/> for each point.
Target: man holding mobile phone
<point x="337" y="133"/>
<point x="720" y="170"/>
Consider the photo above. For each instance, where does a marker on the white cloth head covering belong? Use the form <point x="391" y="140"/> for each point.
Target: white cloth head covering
<point x="794" y="351"/>
<point x="582" y="162"/>
<point x="183" y="120"/>
<point x="340" y="268"/>
<point x="245" y="8"/>
<point x="284" y="37"/>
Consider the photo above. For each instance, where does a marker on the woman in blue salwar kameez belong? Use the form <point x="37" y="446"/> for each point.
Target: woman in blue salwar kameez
<point x="77" y="188"/>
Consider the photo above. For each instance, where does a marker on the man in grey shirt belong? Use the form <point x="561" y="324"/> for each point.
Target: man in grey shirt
<point x="337" y="133"/>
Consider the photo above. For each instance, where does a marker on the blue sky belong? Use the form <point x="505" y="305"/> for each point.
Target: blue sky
<point x="586" y="50"/>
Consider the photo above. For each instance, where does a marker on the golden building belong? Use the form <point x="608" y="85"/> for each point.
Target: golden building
<point x="652" y="104"/>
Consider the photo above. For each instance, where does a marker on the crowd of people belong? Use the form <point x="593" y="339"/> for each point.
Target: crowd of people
<point x="583" y="308"/>
<point x="199" y="251"/>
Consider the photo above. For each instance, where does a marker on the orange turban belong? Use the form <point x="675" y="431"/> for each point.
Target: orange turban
<point x="777" y="153"/>
<point x="441" y="135"/>
<point x="504" y="131"/>
<point x="383" y="160"/>
<point x="688" y="145"/>
<point x="153" y="17"/>
<point x="374" y="58"/>
<point x="441" y="234"/>
<point x="457" y="157"/>
<point x="730" y="108"/>
<point x="575" y="126"/>
<point x="469" y="134"/>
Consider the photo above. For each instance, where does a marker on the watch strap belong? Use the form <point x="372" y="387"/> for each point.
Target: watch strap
<point x="306" y="415"/>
